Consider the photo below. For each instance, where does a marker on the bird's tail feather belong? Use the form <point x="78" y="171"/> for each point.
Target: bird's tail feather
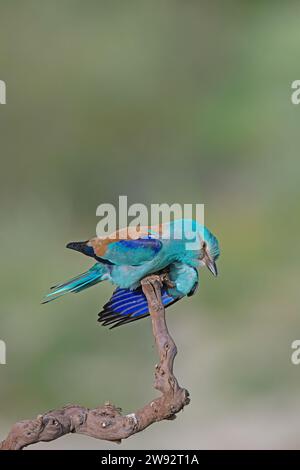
<point x="87" y="279"/>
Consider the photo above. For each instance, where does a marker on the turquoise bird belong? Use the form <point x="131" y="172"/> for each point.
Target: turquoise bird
<point x="177" y="248"/>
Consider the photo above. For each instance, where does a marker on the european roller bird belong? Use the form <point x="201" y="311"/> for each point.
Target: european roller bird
<point x="178" y="248"/>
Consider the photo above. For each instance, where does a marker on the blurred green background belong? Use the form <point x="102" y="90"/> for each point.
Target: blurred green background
<point x="165" y="102"/>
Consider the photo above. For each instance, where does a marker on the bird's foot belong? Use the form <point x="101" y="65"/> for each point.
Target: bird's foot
<point x="152" y="279"/>
<point x="162" y="279"/>
<point x="166" y="280"/>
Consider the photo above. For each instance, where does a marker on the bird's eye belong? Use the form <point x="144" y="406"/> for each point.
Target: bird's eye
<point x="204" y="245"/>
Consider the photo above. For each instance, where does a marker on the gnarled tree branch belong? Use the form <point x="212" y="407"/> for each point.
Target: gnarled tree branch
<point x="107" y="422"/>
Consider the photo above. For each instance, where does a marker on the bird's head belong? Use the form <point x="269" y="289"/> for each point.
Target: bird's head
<point x="209" y="251"/>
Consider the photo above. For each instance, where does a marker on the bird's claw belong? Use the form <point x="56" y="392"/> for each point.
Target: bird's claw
<point x="161" y="278"/>
<point x="167" y="281"/>
<point x="152" y="279"/>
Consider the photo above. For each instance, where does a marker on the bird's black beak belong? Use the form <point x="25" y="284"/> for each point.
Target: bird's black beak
<point x="212" y="267"/>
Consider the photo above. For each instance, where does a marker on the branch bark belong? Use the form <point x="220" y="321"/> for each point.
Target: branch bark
<point x="107" y="422"/>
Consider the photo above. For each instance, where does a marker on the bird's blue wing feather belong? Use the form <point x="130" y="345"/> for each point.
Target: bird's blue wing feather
<point x="132" y="252"/>
<point x="128" y="305"/>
